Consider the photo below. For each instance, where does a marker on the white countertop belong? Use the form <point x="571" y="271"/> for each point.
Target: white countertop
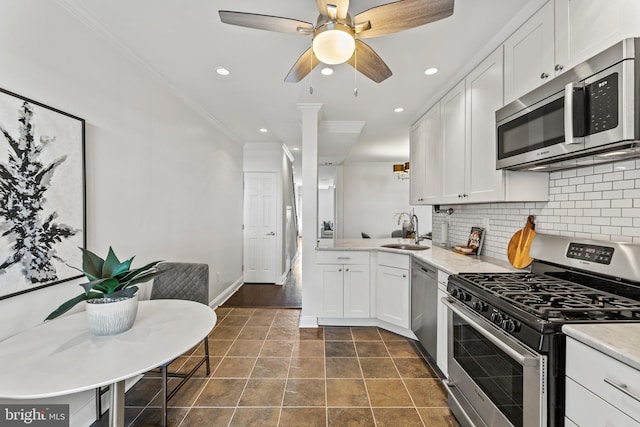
<point x="618" y="340"/>
<point x="441" y="258"/>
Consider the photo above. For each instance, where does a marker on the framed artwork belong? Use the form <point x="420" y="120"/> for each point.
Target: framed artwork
<point x="42" y="195"/>
<point x="476" y="239"/>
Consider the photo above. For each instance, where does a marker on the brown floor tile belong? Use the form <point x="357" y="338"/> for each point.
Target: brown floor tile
<point x="378" y="367"/>
<point x="371" y="349"/>
<point x="346" y="392"/>
<point x="198" y="417"/>
<point x="393" y="417"/>
<point x="245" y="348"/>
<point x="339" y="349"/>
<point x="427" y="392"/>
<point x="221" y="392"/>
<point x="225" y="332"/>
<point x="437" y="417"/>
<point x="337" y="334"/>
<point x="143" y="391"/>
<point x="235" y="367"/>
<point x="303" y="417"/>
<point x="260" y="320"/>
<point x="390" y="336"/>
<point x="350" y="417"/>
<point x="271" y="367"/>
<point x="255" y="417"/>
<point x="219" y="347"/>
<point x="129" y="415"/>
<point x="187" y="394"/>
<point x="241" y="311"/>
<point x="153" y="417"/>
<point x="311" y="334"/>
<point x="277" y="349"/>
<point x="308" y="349"/>
<point x="389" y="392"/>
<point x="365" y="334"/>
<point x="414" y="368"/>
<point x="286" y="313"/>
<point x="279" y="333"/>
<point x="402" y="349"/>
<point x="343" y="367"/>
<point x="222" y="311"/>
<point x="191" y="362"/>
<point x="307" y="368"/>
<point x="304" y="392"/>
<point x="263" y="392"/>
<point x="232" y="320"/>
<point x="196" y="351"/>
<point x="254" y="333"/>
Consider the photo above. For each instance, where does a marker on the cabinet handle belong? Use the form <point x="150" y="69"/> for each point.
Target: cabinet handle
<point x="558" y="67"/>
<point x="459" y="196"/>
<point x="544" y="76"/>
<point x="404" y="275"/>
<point x="346" y="269"/>
<point x="344" y="257"/>
<point x="623" y="388"/>
<point x="465" y="195"/>
<point x="339" y="270"/>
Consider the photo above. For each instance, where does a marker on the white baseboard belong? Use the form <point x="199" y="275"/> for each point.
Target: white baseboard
<point x="226" y="294"/>
<point x="308" y="322"/>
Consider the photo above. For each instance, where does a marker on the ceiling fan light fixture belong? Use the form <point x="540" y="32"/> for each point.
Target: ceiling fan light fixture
<point x="334" y="43"/>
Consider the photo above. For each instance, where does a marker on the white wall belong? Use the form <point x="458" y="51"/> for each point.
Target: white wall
<point x="162" y="182"/>
<point x="371" y="196"/>
<point x="596" y="202"/>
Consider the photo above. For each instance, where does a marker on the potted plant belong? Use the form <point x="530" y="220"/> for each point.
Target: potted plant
<point x="111" y="292"/>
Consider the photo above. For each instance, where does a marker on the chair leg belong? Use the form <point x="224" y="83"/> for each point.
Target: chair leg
<point x="164" y="395"/>
<point x="206" y="355"/>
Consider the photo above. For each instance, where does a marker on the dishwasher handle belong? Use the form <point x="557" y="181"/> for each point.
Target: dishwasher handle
<point x="425" y="269"/>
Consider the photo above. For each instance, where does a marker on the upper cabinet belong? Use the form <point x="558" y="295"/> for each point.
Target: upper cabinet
<point x="426" y="158"/>
<point x="562" y="34"/>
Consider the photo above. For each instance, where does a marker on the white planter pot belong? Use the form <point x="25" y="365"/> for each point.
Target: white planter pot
<point x="107" y="316"/>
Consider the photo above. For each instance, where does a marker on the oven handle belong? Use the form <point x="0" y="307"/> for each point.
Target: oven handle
<point x="573" y="124"/>
<point x="524" y="357"/>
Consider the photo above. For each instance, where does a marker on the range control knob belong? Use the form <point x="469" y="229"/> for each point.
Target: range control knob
<point x="496" y="318"/>
<point x="510" y="325"/>
<point x="479" y="306"/>
<point x="455" y="292"/>
<point x="464" y="296"/>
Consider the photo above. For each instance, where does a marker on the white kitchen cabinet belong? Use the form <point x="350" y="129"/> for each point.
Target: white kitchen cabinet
<point x="392" y="287"/>
<point x="425" y="144"/>
<point x="453" y="145"/>
<point x="441" y="356"/>
<point x="344" y="282"/>
<point x="600" y="390"/>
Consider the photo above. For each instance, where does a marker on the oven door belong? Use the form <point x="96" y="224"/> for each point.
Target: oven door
<point x="493" y="379"/>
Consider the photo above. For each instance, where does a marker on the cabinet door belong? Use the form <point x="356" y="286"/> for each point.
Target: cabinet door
<point x="418" y="167"/>
<point x="529" y="54"/>
<point x="453" y="145"/>
<point x="586" y="27"/>
<point x="432" y="134"/>
<point x="356" y="291"/>
<point x="332" y="288"/>
<point x="484" y="96"/>
<point x="393" y="295"/>
<point x="441" y="356"/>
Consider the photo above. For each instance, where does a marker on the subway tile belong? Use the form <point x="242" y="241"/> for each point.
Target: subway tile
<point x="604" y="168"/>
<point x="593" y="179"/>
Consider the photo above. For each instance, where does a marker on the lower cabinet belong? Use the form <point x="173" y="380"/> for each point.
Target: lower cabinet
<point x="345" y="287"/>
<point x="443" y="321"/>
<point x="393" y="284"/>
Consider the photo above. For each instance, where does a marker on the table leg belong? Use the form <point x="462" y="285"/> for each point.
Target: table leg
<point x="116" y="405"/>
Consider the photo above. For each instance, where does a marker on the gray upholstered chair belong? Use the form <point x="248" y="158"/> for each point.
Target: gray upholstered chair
<point x="185" y="281"/>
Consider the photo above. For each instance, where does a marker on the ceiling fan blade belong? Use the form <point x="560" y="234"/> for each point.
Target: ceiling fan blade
<point x="402" y="15"/>
<point x="303" y="66"/>
<point x="341" y="5"/>
<point x="369" y="63"/>
<point x="266" y="22"/>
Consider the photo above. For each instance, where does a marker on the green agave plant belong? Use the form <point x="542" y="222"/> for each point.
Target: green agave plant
<point x="108" y="278"/>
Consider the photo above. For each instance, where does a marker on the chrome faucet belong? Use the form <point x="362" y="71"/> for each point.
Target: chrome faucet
<point x="414" y="225"/>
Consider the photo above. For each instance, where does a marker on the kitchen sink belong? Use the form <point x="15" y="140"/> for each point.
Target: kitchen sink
<point x="405" y="246"/>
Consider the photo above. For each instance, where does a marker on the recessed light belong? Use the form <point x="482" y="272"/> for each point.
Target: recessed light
<point x="222" y="71"/>
<point x="326" y="71"/>
<point x="398" y="110"/>
<point x="430" y="71"/>
<point x="263" y="130"/>
<point x="296" y="148"/>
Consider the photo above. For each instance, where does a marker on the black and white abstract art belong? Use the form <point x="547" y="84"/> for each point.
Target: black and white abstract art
<point x="42" y="195"/>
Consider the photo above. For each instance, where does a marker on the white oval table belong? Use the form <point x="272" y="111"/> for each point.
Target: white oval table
<point x="61" y="356"/>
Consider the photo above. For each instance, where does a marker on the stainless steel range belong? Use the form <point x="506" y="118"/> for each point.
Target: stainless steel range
<point x="506" y="348"/>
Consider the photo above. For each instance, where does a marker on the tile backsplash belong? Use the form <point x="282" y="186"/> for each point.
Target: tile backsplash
<point x="599" y="202"/>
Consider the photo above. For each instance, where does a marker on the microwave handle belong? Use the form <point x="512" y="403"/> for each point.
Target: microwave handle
<point x="574" y="113"/>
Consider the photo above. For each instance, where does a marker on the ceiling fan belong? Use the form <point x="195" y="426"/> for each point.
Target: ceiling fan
<point x="336" y="36"/>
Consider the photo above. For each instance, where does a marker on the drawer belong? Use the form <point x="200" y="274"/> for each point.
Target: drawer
<point x="586" y="409"/>
<point x="342" y="257"/>
<point x="443" y="278"/>
<point x="393" y="260"/>
<point x="605" y="377"/>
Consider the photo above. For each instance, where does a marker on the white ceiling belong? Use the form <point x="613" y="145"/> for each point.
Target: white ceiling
<point x="183" y="42"/>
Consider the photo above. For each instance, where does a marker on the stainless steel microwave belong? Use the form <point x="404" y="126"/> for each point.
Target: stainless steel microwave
<point x="585" y="116"/>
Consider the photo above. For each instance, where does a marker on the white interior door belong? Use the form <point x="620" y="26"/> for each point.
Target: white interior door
<point x="260" y="227"/>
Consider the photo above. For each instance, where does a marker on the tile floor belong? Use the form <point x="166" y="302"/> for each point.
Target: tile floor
<point x="265" y="371"/>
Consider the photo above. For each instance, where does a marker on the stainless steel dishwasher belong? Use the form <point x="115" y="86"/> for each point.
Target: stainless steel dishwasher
<point x="424" y="305"/>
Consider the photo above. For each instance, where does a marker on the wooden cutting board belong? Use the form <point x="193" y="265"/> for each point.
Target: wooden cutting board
<point x="519" y="245"/>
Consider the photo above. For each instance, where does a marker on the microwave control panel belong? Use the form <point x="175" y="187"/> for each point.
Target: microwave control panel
<point x="594" y="253"/>
<point x="602" y="104"/>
